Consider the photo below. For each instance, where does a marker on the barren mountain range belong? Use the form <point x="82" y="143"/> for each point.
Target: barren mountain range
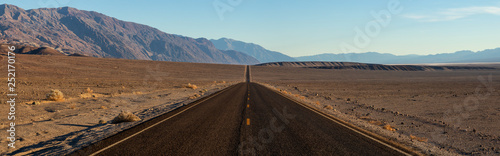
<point x="465" y="56"/>
<point x="71" y="30"/>
<point x="266" y="56"/>
<point x="254" y="50"/>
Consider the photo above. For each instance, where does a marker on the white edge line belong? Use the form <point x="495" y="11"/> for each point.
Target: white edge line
<point x="342" y="124"/>
<point x="118" y="142"/>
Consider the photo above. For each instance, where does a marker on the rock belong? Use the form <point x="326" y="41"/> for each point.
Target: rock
<point x="102" y="122"/>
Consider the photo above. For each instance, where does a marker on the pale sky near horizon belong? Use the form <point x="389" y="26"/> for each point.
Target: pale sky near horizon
<point x="299" y="28"/>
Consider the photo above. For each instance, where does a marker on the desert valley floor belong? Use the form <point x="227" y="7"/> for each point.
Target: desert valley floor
<point x="435" y="112"/>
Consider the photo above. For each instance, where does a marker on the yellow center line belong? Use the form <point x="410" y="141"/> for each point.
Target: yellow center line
<point x="248" y="121"/>
<point x="248" y="105"/>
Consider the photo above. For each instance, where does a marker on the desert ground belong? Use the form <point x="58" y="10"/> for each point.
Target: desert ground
<point x="98" y="89"/>
<point x="437" y="112"/>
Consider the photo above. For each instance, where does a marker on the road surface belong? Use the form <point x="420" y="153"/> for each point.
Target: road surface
<point x="244" y="119"/>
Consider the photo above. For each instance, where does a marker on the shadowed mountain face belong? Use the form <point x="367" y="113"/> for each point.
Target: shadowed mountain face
<point x="257" y="51"/>
<point x="98" y="35"/>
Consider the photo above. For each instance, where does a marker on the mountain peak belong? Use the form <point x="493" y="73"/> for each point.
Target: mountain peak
<point x="257" y="51"/>
<point x="67" y="10"/>
<point x="8" y="10"/>
<point x="9" y="6"/>
<point x="227" y="39"/>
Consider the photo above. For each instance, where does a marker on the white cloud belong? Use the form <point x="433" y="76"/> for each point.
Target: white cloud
<point x="454" y="13"/>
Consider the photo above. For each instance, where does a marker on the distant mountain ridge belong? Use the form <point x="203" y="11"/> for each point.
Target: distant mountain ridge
<point x="254" y="50"/>
<point x="266" y="56"/>
<point x="95" y="34"/>
<point x="367" y="66"/>
<point x="488" y="55"/>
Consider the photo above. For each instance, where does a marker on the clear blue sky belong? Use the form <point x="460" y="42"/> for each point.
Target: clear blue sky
<point x="298" y="27"/>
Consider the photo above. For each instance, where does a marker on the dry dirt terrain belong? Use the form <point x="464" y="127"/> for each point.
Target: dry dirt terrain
<point x="98" y="89"/>
<point x="440" y="112"/>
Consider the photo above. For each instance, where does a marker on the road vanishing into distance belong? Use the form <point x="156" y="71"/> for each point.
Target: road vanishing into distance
<point x="243" y="119"/>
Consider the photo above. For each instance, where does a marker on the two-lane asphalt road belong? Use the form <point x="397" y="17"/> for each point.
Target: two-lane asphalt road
<point x="244" y="119"/>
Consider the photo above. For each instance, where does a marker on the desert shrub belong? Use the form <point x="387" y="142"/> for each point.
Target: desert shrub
<point x="421" y="139"/>
<point x="189" y="85"/>
<point x="389" y="127"/>
<point x="375" y="122"/>
<point x="88" y="90"/>
<point x="125" y="117"/>
<point x="55" y="95"/>
<point x="194" y="96"/>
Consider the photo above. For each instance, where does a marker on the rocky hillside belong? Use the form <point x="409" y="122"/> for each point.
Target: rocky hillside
<point x="94" y="34"/>
<point x="364" y="66"/>
<point x="27" y="49"/>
